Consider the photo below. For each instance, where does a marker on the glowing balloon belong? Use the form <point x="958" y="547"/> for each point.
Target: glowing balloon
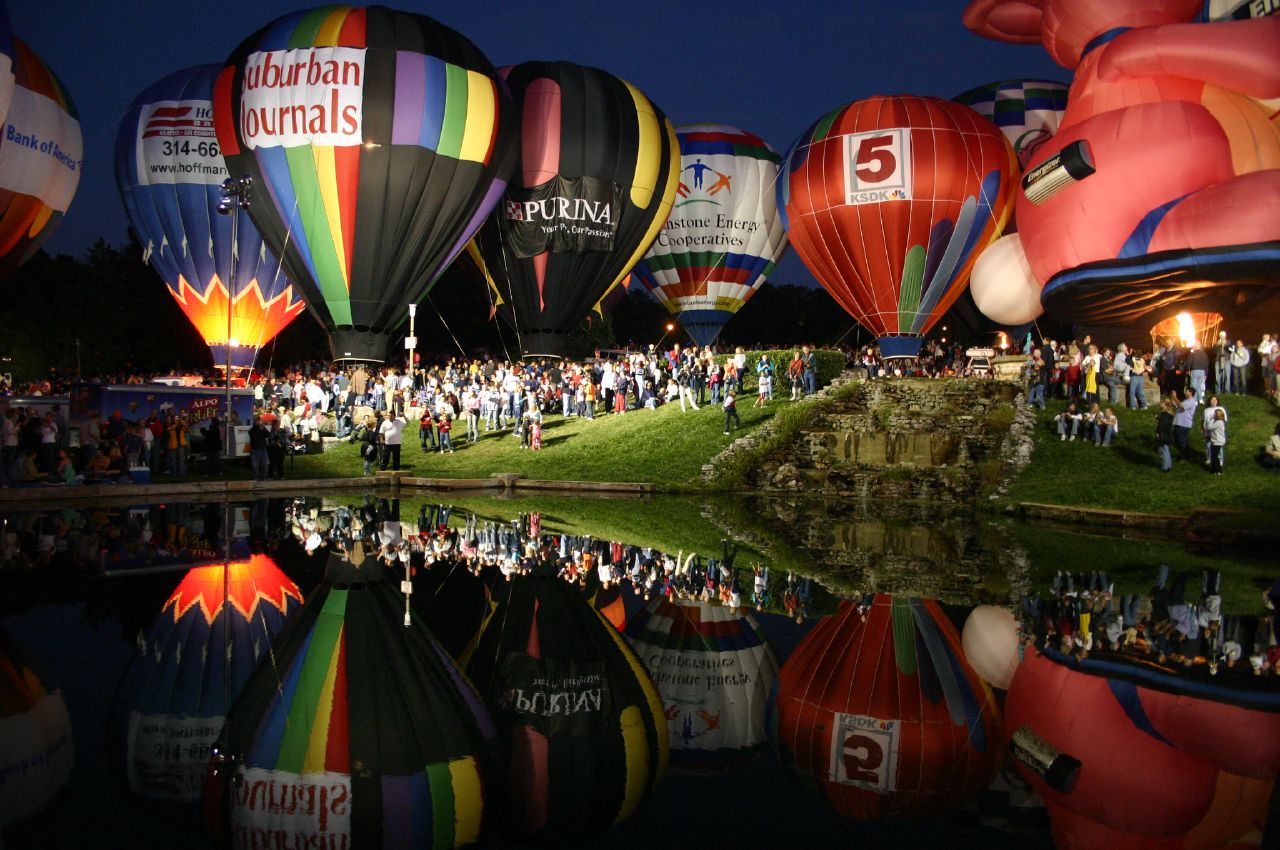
<point x="881" y="715"/>
<point x="169" y="172"/>
<point x="1002" y="284"/>
<point x="194" y="659"/>
<point x="1026" y="111"/>
<point x="1161" y="186"/>
<point x="41" y="156"/>
<point x="581" y="726"/>
<point x="599" y="170"/>
<point x="714" y="670"/>
<point x="990" y="641"/>
<point x="889" y="200"/>
<point x="377" y="141"/>
<point x="724" y="235"/>
<point x="362" y="723"/>
<point x="36" y="752"/>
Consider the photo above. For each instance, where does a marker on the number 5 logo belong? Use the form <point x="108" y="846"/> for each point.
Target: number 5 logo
<point x="878" y="166"/>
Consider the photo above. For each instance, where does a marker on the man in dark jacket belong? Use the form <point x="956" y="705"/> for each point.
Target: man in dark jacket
<point x="259" y="458"/>
<point x="212" y="444"/>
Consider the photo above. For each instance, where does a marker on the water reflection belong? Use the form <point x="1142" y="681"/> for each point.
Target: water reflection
<point x="83" y="586"/>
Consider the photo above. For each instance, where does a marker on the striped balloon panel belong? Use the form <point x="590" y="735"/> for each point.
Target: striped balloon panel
<point x="1028" y="112"/>
<point x="578" y="122"/>
<point x="714" y="670"/>
<point x="896" y="259"/>
<point x="374" y="711"/>
<point x="169" y="173"/>
<point x="583" y="733"/>
<point x="41" y="157"/>
<point x="879" y="713"/>
<point x="724" y="235"/>
<point x="366" y="221"/>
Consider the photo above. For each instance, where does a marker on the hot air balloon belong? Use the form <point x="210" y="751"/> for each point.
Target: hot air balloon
<point x="214" y="630"/>
<point x="36" y="753"/>
<point x="361" y="733"/>
<point x="1208" y="758"/>
<point x="880" y="714"/>
<point x="990" y="641"/>
<point x="724" y="235"/>
<point x="6" y="63"/>
<point x="1026" y="111"/>
<point x="377" y="142"/>
<point x="41" y="155"/>
<point x="582" y="730"/>
<point x="453" y="602"/>
<point x="714" y="670"/>
<point x="598" y="175"/>
<point x="170" y="172"/>
<point x="889" y="200"/>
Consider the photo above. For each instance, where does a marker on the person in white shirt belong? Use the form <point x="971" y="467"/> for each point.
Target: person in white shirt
<point x="1210" y="414"/>
<point x="1240" y="368"/>
<point x="391" y="433"/>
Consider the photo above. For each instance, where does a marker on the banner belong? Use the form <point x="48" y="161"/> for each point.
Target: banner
<point x="308" y="96"/>
<point x="169" y="756"/>
<point x="297" y="811"/>
<point x="177" y="144"/>
<point x="552" y="696"/>
<point x="42" y="151"/>
<point x="562" y="215"/>
<point x="864" y="752"/>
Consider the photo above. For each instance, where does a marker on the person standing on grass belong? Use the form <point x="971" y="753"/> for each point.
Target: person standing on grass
<point x="1240" y="368"/>
<point x="795" y="374"/>
<point x="1164" y="434"/>
<point x="1217" y="441"/>
<point x="259" y="460"/>
<point x="730" y="408"/>
<point x="444" y="424"/>
<point x="392" y="433"/>
<point x="1210" y="414"/>
<point x="1183" y="418"/>
<point x="1137" y="382"/>
<point x="810" y="373"/>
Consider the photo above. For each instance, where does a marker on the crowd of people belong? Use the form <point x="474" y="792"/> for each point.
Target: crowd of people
<point x="1170" y="627"/>
<point x="503" y="550"/>
<point x="1095" y="381"/>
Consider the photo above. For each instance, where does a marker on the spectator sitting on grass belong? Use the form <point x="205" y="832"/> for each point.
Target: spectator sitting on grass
<point x="1105" y="428"/>
<point x="1270" y="457"/>
<point x="1068" y="421"/>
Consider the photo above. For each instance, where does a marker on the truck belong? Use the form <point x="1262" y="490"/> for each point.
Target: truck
<point x="137" y="401"/>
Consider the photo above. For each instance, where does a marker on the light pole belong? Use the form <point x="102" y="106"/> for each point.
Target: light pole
<point x="670" y="328"/>
<point x="233" y="198"/>
<point x="411" y="343"/>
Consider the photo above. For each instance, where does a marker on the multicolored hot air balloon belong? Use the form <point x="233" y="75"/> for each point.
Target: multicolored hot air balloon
<point x="1026" y="111"/>
<point x="879" y="713"/>
<point x="724" y="235"/>
<point x="599" y="170"/>
<point x="714" y="670"/>
<point x="7" y="81"/>
<point x="214" y="630"/>
<point x="361" y="733"/>
<point x="36" y="753"/>
<point x="582" y="730"/>
<point x="169" y="171"/>
<point x="889" y="201"/>
<point x="377" y="143"/>
<point x="453" y="602"/>
<point x="41" y="156"/>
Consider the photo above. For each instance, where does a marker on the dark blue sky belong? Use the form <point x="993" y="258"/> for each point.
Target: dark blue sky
<point x="768" y="67"/>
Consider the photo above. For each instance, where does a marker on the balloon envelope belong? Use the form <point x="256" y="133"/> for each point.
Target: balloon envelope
<point x="377" y="141"/>
<point x="36" y="753"/>
<point x="879" y="713"/>
<point x="598" y="174"/>
<point x="888" y="202"/>
<point x="990" y="641"/>
<point x="193" y="661"/>
<point x="1002" y="284"/>
<point x="41" y="156"/>
<point x="714" y="670"/>
<point x="724" y="235"/>
<point x="581" y="726"/>
<point x="362" y="722"/>
<point x="1026" y="111"/>
<point x="169" y="172"/>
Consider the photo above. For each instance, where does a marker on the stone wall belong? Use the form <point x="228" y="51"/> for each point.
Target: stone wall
<point x="918" y="438"/>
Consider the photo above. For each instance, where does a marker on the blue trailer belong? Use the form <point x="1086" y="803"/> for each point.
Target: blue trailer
<point x="135" y="402"/>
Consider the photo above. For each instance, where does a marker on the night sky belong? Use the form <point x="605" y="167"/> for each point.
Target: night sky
<point x="771" y="68"/>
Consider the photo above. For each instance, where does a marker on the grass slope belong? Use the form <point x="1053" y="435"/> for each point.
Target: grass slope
<point x="1127" y="476"/>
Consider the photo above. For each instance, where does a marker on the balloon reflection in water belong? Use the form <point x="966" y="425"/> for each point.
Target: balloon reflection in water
<point x="714" y="670"/>
<point x="193" y="661"/>
<point x="878" y="712"/>
<point x="36" y="753"/>
<point x="361" y="734"/>
<point x="581" y="725"/>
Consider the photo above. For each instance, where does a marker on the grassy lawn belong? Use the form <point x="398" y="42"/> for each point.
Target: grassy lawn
<point x="662" y="446"/>
<point x="1127" y="476"/>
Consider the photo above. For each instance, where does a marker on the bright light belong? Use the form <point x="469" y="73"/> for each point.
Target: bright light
<point x="1186" y="329"/>
<point x="670" y="328"/>
<point x="233" y="342"/>
<point x="413" y="309"/>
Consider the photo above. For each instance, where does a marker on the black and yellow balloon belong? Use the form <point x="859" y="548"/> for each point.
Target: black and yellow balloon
<point x="599" y="168"/>
<point x="581" y="729"/>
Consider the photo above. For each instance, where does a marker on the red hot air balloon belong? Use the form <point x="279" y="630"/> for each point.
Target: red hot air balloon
<point x="889" y="201"/>
<point x="878" y="711"/>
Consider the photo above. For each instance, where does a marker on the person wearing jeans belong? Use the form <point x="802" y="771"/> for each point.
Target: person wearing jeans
<point x="1137" y="383"/>
<point x="1106" y="428"/>
<point x="1164" y="434"/>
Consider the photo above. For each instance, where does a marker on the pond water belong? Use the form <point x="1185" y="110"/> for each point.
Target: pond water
<point x="127" y="615"/>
